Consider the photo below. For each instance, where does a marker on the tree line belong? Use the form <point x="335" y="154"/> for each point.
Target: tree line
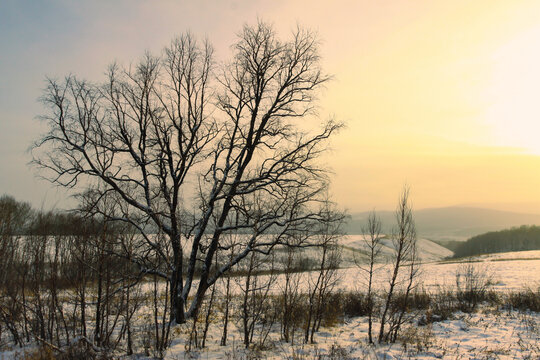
<point x="520" y="238"/>
<point x="70" y="282"/>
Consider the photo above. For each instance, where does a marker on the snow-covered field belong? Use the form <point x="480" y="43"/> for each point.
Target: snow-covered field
<point x="485" y="335"/>
<point x="490" y="333"/>
<point x="515" y="255"/>
<point x="507" y="271"/>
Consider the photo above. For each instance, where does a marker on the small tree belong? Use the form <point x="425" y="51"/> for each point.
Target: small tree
<point x="291" y="296"/>
<point x="14" y="265"/>
<point x="329" y="259"/>
<point x="404" y="243"/>
<point x="255" y="290"/>
<point x="372" y="239"/>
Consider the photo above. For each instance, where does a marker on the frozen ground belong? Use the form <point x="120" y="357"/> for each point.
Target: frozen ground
<point x="486" y="335"/>
<point x="507" y="272"/>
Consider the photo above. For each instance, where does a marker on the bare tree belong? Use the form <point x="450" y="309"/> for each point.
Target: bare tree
<point x="401" y="307"/>
<point x="230" y="242"/>
<point x="404" y="243"/>
<point x="153" y="130"/>
<point x="255" y="290"/>
<point x="291" y="295"/>
<point x="13" y="267"/>
<point x="372" y="239"/>
<point x="329" y="259"/>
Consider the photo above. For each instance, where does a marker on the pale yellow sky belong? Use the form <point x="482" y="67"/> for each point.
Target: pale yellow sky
<point x="444" y="98"/>
<point x="441" y="95"/>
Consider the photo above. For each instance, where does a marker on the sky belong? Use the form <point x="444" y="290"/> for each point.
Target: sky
<point x="440" y="95"/>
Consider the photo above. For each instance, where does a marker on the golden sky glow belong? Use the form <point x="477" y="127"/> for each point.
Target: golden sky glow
<point x="446" y="99"/>
<point x="442" y="95"/>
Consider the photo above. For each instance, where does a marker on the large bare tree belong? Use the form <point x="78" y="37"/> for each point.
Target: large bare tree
<point x="155" y="134"/>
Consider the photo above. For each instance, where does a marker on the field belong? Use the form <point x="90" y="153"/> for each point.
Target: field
<point x="437" y="324"/>
<point x="489" y="334"/>
<point x="493" y="331"/>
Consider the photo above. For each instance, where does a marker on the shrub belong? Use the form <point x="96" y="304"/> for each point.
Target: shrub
<point x="414" y="301"/>
<point x="472" y="283"/>
<point x="337" y="352"/>
<point x="355" y="304"/>
<point x="332" y="309"/>
<point x="416" y="340"/>
<point x="41" y="353"/>
<point x="525" y="300"/>
<point x="442" y="307"/>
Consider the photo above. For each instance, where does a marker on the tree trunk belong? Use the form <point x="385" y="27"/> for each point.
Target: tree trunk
<point x="226" y="316"/>
<point x="177" y="301"/>
<point x="176" y="286"/>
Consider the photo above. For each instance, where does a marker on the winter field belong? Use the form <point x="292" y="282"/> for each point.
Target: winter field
<point x="488" y="334"/>
<point x="512" y="271"/>
<point x="492" y="330"/>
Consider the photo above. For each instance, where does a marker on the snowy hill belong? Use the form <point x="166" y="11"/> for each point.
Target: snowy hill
<point x="355" y="248"/>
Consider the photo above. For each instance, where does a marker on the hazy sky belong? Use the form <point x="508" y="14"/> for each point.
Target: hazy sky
<point x="442" y="95"/>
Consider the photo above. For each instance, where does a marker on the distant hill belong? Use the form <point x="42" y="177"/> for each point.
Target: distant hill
<point x="522" y="238"/>
<point x="450" y="223"/>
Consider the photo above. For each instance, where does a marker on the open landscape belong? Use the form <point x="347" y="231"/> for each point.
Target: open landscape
<point x="299" y="302"/>
<point x="241" y="180"/>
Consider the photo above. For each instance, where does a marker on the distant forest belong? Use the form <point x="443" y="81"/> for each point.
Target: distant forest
<point x="514" y="239"/>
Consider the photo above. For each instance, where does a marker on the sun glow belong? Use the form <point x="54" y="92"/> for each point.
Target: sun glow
<point x="513" y="109"/>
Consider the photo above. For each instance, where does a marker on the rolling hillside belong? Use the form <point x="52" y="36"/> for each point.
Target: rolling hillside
<point x="355" y="248"/>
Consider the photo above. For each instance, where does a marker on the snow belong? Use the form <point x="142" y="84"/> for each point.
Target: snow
<point x="506" y="275"/>
<point x="487" y="335"/>
<point x="514" y="255"/>
<point x="490" y="333"/>
<point x="505" y="272"/>
<point x="427" y="249"/>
